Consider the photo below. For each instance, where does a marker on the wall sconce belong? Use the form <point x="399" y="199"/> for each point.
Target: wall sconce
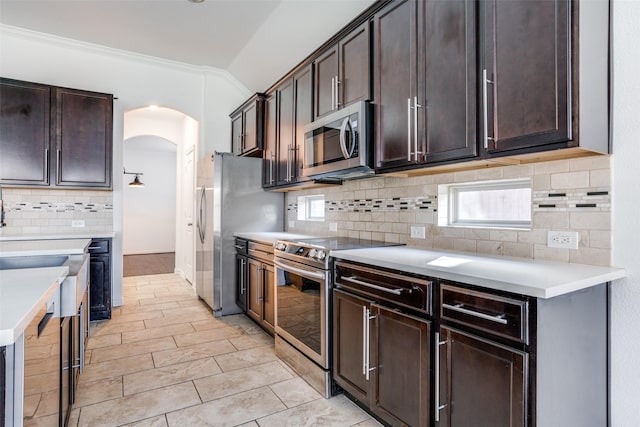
<point x="136" y="180"/>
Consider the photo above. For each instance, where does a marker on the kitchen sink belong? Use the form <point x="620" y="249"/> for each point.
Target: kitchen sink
<point x="39" y="261"/>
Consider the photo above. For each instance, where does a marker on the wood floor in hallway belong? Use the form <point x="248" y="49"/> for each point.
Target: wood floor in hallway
<point x="163" y="360"/>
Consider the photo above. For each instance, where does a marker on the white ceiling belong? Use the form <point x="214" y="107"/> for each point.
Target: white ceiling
<point x="257" y="41"/>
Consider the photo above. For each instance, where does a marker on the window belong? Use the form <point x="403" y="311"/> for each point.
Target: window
<point x="494" y="204"/>
<point x="311" y="208"/>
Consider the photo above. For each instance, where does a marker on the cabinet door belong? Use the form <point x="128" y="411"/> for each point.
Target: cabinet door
<point x="349" y="351"/>
<point x="304" y="88"/>
<point x="269" y="297"/>
<point x="84" y="126"/>
<point x="254" y="299"/>
<point x="326" y="74"/>
<point x="269" y="154"/>
<point x="448" y="81"/>
<point x="401" y="356"/>
<point x="526" y="55"/>
<point x="250" y="136"/>
<point x="24" y="132"/>
<point x="100" y="287"/>
<point x="354" y="82"/>
<point x="241" y="285"/>
<point x="286" y="123"/>
<point x="395" y="69"/>
<point x="482" y="384"/>
<point x="236" y="134"/>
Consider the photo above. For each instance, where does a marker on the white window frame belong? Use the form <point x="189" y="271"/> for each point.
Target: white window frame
<point x="448" y="195"/>
<point x="304" y="207"/>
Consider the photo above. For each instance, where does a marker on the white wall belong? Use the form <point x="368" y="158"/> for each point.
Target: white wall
<point x="136" y="81"/>
<point x="625" y="294"/>
<point x="149" y="212"/>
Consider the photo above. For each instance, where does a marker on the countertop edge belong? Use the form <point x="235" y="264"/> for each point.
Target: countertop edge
<point x="494" y="284"/>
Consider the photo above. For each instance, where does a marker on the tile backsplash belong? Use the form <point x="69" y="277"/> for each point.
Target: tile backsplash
<point x="568" y="195"/>
<point x="45" y="211"/>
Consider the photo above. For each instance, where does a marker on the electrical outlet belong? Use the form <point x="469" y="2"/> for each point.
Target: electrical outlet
<point x="417" y="232"/>
<point x="563" y="239"/>
<point x="77" y="222"/>
<point x="333" y="226"/>
<point x="292" y="224"/>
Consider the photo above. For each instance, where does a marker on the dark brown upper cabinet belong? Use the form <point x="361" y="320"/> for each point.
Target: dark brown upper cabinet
<point x="286" y="135"/>
<point x="425" y="82"/>
<point x="303" y="116"/>
<point x="270" y="141"/>
<point x="247" y="128"/>
<point x="84" y="126"/>
<point x="24" y="133"/>
<point x="342" y="73"/>
<point x="55" y="136"/>
<point x="525" y="74"/>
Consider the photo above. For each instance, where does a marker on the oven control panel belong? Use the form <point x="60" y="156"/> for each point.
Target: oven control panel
<point x="303" y="251"/>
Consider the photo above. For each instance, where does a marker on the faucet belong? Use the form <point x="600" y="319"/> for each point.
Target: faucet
<point x="2" y="223"/>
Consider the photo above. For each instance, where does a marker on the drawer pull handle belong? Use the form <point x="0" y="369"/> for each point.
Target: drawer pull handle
<point x="240" y="248"/>
<point x="95" y="247"/>
<point x="460" y="308"/>
<point x="376" y="287"/>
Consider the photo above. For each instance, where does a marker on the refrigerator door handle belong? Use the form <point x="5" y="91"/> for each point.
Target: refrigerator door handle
<point x="202" y="215"/>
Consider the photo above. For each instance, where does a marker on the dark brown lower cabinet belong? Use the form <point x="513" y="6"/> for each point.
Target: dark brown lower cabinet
<point x="401" y="365"/>
<point x="100" y="279"/>
<point x="242" y="285"/>
<point x="261" y="293"/>
<point x="396" y="353"/>
<point x="480" y="383"/>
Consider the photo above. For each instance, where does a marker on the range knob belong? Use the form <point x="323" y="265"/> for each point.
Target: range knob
<point x="312" y="253"/>
<point x="321" y="255"/>
<point x="280" y="246"/>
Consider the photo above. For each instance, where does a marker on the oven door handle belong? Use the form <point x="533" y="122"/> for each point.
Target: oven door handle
<point x="288" y="267"/>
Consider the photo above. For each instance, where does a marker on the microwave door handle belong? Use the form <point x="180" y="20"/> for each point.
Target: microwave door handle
<point x="343" y="138"/>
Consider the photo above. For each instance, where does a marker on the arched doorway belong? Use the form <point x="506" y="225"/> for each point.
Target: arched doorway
<point x="161" y="143"/>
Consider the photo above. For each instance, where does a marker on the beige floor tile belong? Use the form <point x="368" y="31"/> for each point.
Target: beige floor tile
<point x="132" y="349"/>
<point x="49" y="420"/>
<point x="368" y="423"/>
<point x="210" y="323"/>
<point x="234" y="382"/>
<point x="98" y="391"/>
<point x="192" y="303"/>
<point x="229" y="411"/>
<point x="164" y="331"/>
<point x="139" y="406"/>
<point x="192" y="352"/>
<point x="189" y="311"/>
<point x="250" y="341"/>
<point x="294" y="392"/>
<point x="104" y="341"/>
<point x="161" y="300"/>
<point x="205" y="336"/>
<point x="73" y="417"/>
<point x="159" y="421"/>
<point x="132" y="317"/>
<point x="246" y="358"/>
<point x="175" y="320"/>
<point x="117" y="367"/>
<point x="107" y="327"/>
<point x="249" y="424"/>
<point x="136" y="308"/>
<point x="168" y="375"/>
<point x="338" y="411"/>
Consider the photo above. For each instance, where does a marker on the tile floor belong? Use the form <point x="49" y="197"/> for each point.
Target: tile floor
<point x="163" y="360"/>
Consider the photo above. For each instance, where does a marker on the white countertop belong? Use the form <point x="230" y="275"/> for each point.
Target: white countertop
<point x="22" y="294"/>
<point x="536" y="278"/>
<point x="7" y="235"/>
<point x="270" y="237"/>
<point x="43" y="247"/>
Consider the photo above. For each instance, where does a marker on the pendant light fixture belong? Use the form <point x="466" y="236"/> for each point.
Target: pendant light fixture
<point x="136" y="180"/>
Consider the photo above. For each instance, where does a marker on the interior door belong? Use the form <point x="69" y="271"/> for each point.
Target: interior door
<point x="188" y="247"/>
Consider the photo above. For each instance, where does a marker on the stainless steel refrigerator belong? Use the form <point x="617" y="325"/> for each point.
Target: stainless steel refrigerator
<point x="230" y="199"/>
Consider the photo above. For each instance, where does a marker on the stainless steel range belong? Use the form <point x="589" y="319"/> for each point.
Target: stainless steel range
<point x="303" y="304"/>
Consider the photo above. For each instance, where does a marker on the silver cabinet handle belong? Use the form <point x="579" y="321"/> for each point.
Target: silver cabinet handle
<point x="238" y="247"/>
<point x="333" y="93"/>
<point x="272" y="160"/>
<point x="372" y="286"/>
<point x="415" y="127"/>
<point x="437" y="405"/>
<point x="46" y="164"/>
<point x="460" y="308"/>
<point x="337" y="93"/>
<point x="58" y="157"/>
<point x="368" y="368"/>
<point x="485" y="108"/>
<point x="94" y="247"/>
<point x="408" y="129"/>
<point x="365" y="322"/>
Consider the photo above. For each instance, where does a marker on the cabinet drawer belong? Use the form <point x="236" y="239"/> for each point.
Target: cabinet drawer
<point x="241" y="246"/>
<point x="498" y="315"/>
<point x="260" y="251"/>
<point x="100" y="246"/>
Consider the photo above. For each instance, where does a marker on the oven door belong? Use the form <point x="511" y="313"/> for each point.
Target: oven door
<point x="302" y="310"/>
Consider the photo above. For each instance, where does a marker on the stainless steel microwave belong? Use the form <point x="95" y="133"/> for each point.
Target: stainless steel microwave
<point x="337" y="145"/>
